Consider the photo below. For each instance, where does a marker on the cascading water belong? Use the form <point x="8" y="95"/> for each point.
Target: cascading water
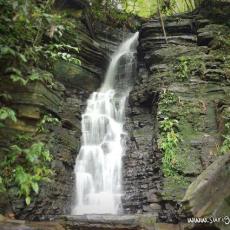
<point x="98" y="168"/>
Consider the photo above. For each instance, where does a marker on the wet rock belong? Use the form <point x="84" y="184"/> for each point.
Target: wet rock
<point x="207" y="194"/>
<point x="99" y="222"/>
<point x="76" y="76"/>
<point x="195" y="110"/>
<point x="73" y="4"/>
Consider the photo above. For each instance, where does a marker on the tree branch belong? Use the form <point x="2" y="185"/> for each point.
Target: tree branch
<point x="162" y="22"/>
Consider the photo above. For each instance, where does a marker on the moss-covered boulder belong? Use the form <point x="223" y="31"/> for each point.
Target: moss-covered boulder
<point x="209" y="194"/>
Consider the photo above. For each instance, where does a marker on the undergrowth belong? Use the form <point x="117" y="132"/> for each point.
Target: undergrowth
<point x="27" y="162"/>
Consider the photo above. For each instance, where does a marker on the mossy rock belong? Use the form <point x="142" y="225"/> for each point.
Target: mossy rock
<point x="210" y="190"/>
<point x="76" y="76"/>
<point x="174" y="188"/>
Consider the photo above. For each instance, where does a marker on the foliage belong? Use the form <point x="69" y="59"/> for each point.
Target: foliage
<point x="169" y="137"/>
<point x="26" y="165"/>
<point x="183" y="68"/>
<point x="111" y="12"/>
<point x="143" y="8"/>
<point x="26" y="168"/>
<point x="168" y="142"/>
<point x="46" y="120"/>
<point x="32" y="38"/>
<point x="167" y="100"/>
<point x="225" y="148"/>
<point x="34" y="75"/>
<point x="170" y="7"/>
<point x="186" y="66"/>
<point x="27" y="162"/>
<point x="7" y="113"/>
<point x="120" y="9"/>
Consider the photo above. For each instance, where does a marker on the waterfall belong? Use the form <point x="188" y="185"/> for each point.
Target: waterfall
<point x="98" y="168"/>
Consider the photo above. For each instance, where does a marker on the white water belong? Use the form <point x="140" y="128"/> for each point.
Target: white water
<point x="98" y="168"/>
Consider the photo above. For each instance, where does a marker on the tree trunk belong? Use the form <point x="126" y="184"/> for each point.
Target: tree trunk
<point x="161" y="21"/>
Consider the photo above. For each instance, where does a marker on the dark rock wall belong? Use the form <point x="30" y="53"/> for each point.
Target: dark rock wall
<point x="67" y="101"/>
<point x="190" y="37"/>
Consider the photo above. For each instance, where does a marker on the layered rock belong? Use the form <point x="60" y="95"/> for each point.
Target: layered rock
<point x="184" y="80"/>
<point x="210" y="191"/>
<point x="66" y="101"/>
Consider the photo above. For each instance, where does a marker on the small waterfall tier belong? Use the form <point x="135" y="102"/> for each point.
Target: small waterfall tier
<point x="98" y="169"/>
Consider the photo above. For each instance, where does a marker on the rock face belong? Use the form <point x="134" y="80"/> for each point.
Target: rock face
<point x="66" y="101"/>
<point x="211" y="189"/>
<point x="185" y="81"/>
<point x="31" y="103"/>
<point x="88" y="75"/>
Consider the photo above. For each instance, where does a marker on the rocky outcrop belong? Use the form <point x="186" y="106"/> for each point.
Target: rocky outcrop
<point x="31" y="103"/>
<point x="87" y="75"/>
<point x="184" y="81"/>
<point x="211" y="189"/>
<point x="65" y="100"/>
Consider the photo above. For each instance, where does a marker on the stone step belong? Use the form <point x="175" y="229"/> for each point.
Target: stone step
<point x="157" y="42"/>
<point x="101" y="222"/>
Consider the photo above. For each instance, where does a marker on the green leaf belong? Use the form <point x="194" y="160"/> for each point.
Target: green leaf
<point x="34" y="76"/>
<point x="35" y="187"/>
<point x="6" y="50"/>
<point x="18" y="78"/>
<point x="7" y="113"/>
<point x="28" y="200"/>
<point x="22" y="57"/>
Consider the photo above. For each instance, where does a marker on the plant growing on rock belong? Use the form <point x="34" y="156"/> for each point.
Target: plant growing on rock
<point x="27" y="162"/>
<point x="182" y="68"/>
<point x="168" y="143"/>
<point x="32" y="38"/>
<point x="187" y="66"/>
<point x="225" y="148"/>
<point x="170" y="137"/>
<point x="47" y="119"/>
<point x="26" y="168"/>
<point x="7" y="114"/>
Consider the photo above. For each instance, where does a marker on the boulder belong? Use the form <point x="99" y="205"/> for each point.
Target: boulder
<point x="209" y="194"/>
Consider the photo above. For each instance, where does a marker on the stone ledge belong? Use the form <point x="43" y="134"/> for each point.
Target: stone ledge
<point x="34" y="93"/>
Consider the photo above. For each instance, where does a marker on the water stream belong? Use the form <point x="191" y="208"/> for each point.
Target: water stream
<point x="98" y="169"/>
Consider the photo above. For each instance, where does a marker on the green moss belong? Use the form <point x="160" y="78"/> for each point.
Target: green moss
<point x="174" y="187"/>
<point x="179" y="157"/>
<point x="189" y="161"/>
<point x="187" y="130"/>
<point x="147" y="221"/>
<point x="187" y="66"/>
